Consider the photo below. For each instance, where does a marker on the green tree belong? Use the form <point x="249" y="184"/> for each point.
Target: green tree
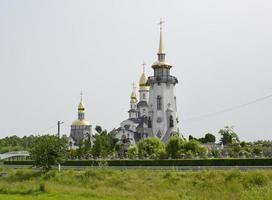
<point x="194" y="147"/>
<point x="104" y="144"/>
<point x="151" y="147"/>
<point x="173" y="147"/>
<point x="48" y="150"/>
<point x="228" y="136"/>
<point x="133" y="152"/>
<point x="209" y="138"/>
<point x="257" y="150"/>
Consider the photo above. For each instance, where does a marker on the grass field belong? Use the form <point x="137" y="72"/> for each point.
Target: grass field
<point x="138" y="184"/>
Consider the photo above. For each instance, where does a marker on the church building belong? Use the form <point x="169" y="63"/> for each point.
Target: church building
<point x="80" y="129"/>
<point x="155" y="115"/>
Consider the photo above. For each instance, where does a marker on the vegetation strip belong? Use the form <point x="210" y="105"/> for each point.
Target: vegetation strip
<point x="200" y="162"/>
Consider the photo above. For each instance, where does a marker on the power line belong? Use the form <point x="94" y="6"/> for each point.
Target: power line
<point x="200" y="117"/>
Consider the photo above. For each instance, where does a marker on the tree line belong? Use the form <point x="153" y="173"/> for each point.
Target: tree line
<point x="48" y="150"/>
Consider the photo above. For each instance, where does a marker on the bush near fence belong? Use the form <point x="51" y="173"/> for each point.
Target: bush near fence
<point x="172" y="162"/>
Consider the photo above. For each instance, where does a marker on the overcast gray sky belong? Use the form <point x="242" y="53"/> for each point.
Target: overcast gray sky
<point x="221" y="52"/>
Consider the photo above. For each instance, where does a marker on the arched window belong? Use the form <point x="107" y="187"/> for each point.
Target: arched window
<point x="171" y="121"/>
<point x="159" y="103"/>
<point x="149" y="123"/>
<point x="143" y="95"/>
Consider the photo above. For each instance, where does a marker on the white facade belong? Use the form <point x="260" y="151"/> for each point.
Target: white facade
<point x="160" y="114"/>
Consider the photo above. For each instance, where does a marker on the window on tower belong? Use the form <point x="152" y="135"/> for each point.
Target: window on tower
<point x="171" y="122"/>
<point x="149" y="122"/>
<point x="159" y="103"/>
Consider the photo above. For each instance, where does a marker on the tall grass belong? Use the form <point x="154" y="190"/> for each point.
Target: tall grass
<point x="136" y="184"/>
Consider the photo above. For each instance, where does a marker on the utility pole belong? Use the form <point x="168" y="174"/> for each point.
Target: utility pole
<point x="58" y="129"/>
<point x="59" y="123"/>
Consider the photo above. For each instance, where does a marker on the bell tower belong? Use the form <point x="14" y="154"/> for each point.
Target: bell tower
<point x="162" y="115"/>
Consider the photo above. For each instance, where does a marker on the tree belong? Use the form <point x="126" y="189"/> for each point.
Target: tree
<point x="133" y="152"/>
<point x="173" y="147"/>
<point x="48" y="150"/>
<point x="151" y="148"/>
<point x="209" y="138"/>
<point x="228" y="136"/>
<point x="257" y="150"/>
<point x="84" y="149"/>
<point x="192" y="138"/>
<point x="194" y="148"/>
<point x="104" y="144"/>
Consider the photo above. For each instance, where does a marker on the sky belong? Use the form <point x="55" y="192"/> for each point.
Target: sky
<point x="50" y="51"/>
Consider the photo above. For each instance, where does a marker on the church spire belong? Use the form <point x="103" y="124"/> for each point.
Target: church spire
<point x="160" y="63"/>
<point x="81" y="108"/>
<point x="161" y="53"/>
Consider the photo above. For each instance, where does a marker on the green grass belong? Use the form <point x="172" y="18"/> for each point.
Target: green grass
<point x="135" y="184"/>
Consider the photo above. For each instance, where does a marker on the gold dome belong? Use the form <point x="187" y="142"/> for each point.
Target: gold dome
<point x="143" y="82"/>
<point x="133" y="97"/>
<point x="80" y="123"/>
<point x="81" y="107"/>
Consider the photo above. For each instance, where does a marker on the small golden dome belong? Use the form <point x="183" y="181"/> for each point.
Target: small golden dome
<point x="80" y="123"/>
<point x="143" y="79"/>
<point x="143" y="82"/>
<point x="81" y="107"/>
<point x="133" y="97"/>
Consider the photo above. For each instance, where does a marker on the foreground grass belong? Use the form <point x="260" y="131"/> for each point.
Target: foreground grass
<point x="138" y="184"/>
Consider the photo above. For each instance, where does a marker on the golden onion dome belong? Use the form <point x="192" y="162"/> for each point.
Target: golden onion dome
<point x="81" y="107"/>
<point x="133" y="97"/>
<point x="143" y="79"/>
<point x="143" y="82"/>
<point x="81" y="123"/>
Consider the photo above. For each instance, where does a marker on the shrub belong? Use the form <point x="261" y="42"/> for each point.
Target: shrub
<point x="133" y="152"/>
<point x="173" y="147"/>
<point x="150" y="148"/>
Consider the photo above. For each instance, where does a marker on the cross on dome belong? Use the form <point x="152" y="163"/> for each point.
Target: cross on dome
<point x="81" y="95"/>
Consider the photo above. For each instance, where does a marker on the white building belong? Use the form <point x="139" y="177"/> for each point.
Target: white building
<point x="155" y="115"/>
<point x="162" y="114"/>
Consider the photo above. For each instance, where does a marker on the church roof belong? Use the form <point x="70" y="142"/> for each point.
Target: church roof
<point x="81" y="123"/>
<point x="132" y="110"/>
